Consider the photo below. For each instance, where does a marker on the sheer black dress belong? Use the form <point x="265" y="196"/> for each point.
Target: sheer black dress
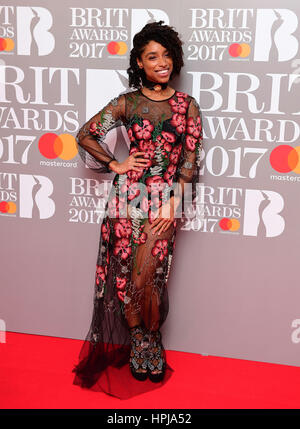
<point x="133" y="264"/>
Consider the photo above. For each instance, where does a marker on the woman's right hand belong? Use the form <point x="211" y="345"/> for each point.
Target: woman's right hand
<point x="133" y="162"/>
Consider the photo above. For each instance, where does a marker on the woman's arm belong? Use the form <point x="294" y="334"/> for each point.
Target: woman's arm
<point x="90" y="138"/>
<point x="192" y="147"/>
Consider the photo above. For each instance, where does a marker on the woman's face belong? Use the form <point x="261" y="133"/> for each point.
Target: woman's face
<point x="156" y="62"/>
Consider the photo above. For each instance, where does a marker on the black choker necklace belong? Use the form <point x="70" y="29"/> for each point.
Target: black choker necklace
<point x="155" y="86"/>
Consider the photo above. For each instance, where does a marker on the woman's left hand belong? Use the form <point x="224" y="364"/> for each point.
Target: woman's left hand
<point x="165" y="217"/>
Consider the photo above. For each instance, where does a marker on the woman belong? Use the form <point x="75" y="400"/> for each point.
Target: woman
<point x="139" y="227"/>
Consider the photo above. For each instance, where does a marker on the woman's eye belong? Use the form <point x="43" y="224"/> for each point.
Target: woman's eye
<point x="151" y="58"/>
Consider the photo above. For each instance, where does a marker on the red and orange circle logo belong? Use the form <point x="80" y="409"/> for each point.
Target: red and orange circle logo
<point x="241" y="50"/>
<point x="52" y="146"/>
<point x="285" y="158"/>
<point x="117" y="48"/>
<point x="8" y="207"/>
<point x="6" y="44"/>
<point x="229" y="224"/>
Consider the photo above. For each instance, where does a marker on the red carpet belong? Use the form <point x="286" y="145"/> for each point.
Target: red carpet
<point x="35" y="372"/>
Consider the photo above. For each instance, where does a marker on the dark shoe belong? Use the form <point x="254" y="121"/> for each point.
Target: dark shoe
<point x="138" y="354"/>
<point x="156" y="360"/>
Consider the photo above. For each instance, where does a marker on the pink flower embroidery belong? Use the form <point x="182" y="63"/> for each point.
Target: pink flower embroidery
<point x="101" y="273"/>
<point x="155" y="184"/>
<point x="194" y="128"/>
<point x="123" y="246"/>
<point x="190" y="143"/>
<point x="133" y="150"/>
<point x="121" y="283"/>
<point x="121" y="295"/>
<point x="145" y="131"/>
<point x="160" y="249"/>
<point x="179" y="122"/>
<point x="131" y="188"/>
<point x="147" y="146"/>
<point x="180" y="106"/>
<point x="169" y="137"/>
<point x="163" y="145"/>
<point x="133" y="191"/>
<point x="105" y="231"/>
<point x="174" y="156"/>
<point x="134" y="175"/>
<point x="181" y="94"/>
<point x="169" y="174"/>
<point x="130" y="135"/>
<point x="95" y="128"/>
<point x="123" y="228"/>
<point x="141" y="239"/>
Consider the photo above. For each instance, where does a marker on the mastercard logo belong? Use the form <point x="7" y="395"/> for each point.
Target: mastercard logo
<point x="229" y="224"/>
<point x="52" y="146"/>
<point x="117" y="48"/>
<point x="285" y="158"/>
<point x="239" y="50"/>
<point x="6" y="44"/>
<point x="8" y="207"/>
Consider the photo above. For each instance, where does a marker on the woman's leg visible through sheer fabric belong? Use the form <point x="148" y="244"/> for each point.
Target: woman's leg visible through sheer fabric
<point x="146" y="285"/>
<point x="148" y="281"/>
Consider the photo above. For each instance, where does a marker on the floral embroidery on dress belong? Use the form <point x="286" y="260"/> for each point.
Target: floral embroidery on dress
<point x="160" y="249"/>
<point x="133" y="263"/>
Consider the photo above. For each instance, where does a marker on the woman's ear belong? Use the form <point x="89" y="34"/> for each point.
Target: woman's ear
<point x="139" y="63"/>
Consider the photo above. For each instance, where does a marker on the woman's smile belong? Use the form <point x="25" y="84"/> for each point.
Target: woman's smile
<point x="163" y="72"/>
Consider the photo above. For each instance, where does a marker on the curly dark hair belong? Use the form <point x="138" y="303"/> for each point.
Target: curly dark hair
<point x="165" y="35"/>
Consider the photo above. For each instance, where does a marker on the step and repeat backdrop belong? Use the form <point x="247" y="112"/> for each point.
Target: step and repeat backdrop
<point x="234" y="284"/>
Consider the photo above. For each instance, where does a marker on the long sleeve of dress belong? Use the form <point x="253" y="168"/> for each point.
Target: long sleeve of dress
<point x="90" y="138"/>
<point x="189" y="168"/>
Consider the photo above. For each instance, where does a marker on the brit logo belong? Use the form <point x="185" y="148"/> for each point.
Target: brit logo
<point x="35" y="198"/>
<point x="261" y="213"/>
<point x="274" y="38"/>
<point x="31" y="26"/>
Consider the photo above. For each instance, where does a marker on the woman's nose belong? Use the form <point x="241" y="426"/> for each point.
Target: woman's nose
<point x="162" y="61"/>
